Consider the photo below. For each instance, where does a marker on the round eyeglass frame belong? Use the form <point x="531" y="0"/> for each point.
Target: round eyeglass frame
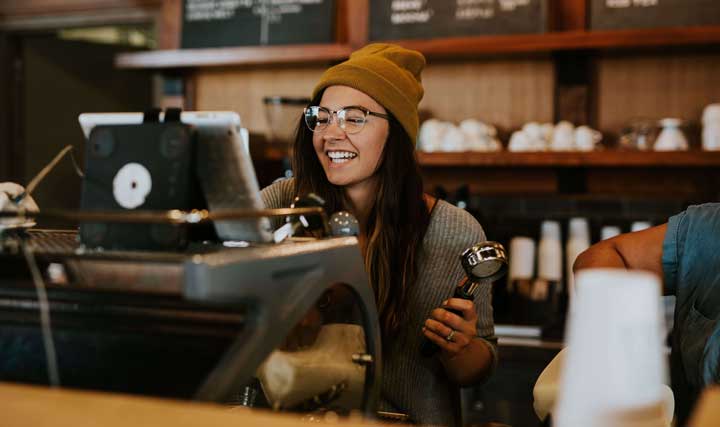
<point x="340" y="117"/>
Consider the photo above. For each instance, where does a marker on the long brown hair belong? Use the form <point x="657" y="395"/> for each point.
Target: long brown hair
<point x="397" y="223"/>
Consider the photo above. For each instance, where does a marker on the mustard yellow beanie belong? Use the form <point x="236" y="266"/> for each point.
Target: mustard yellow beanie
<point x="388" y="73"/>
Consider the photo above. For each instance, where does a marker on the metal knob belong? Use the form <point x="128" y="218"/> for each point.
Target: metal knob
<point x="342" y="223"/>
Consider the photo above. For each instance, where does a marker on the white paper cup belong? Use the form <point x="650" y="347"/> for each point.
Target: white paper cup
<point x="578" y="241"/>
<point x="609" y="231"/>
<point x="579" y="229"/>
<point x="615" y="367"/>
<point x="522" y="258"/>
<point x="639" y="226"/>
<point x="550" y="252"/>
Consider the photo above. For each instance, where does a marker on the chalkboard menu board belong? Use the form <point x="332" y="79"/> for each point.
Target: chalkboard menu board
<point x="425" y="19"/>
<point x="218" y="23"/>
<point x="619" y="14"/>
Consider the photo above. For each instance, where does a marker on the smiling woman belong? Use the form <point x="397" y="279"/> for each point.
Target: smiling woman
<point x="348" y="156"/>
<point x="355" y="147"/>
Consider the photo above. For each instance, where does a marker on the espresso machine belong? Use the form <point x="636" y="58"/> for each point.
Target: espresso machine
<point x="204" y="324"/>
<point x="172" y="287"/>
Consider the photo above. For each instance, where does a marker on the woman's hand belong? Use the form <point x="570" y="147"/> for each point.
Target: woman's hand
<point x="450" y="331"/>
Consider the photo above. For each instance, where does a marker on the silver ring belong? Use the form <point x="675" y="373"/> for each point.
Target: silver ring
<point x="450" y="335"/>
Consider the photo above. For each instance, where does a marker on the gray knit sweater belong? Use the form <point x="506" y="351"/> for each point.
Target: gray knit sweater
<point x="412" y="384"/>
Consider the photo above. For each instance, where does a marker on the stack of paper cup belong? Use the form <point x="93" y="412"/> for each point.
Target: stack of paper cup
<point x="550" y="252"/>
<point x="522" y="258"/>
<point x="609" y="231"/>
<point x="640" y="225"/>
<point x="522" y="264"/>
<point x="578" y="241"/>
<point x="615" y="365"/>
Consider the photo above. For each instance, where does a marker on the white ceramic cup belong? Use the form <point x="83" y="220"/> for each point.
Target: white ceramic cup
<point x="711" y="114"/>
<point x="453" y="139"/>
<point x="547" y="132"/>
<point x="671" y="138"/>
<point x="587" y="138"/>
<point x="533" y="130"/>
<point x="430" y="135"/>
<point x="711" y="137"/>
<point x="563" y="137"/>
<point x="519" y="142"/>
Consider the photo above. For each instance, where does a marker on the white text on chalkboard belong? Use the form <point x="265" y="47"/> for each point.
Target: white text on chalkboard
<point x="510" y="5"/>
<point x="622" y="4"/>
<point x="409" y="12"/>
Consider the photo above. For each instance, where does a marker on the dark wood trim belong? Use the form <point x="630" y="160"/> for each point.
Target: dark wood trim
<point x="12" y="164"/>
<point x="688" y="159"/>
<point x="6" y="62"/>
<point x="170" y="25"/>
<point x="570" y="40"/>
<point x="17" y="107"/>
<point x="434" y="48"/>
<point x="14" y="8"/>
<point x="599" y="159"/>
<point x="251" y="55"/>
<point x="341" y="24"/>
<point x="190" y="91"/>
<point x="353" y="19"/>
<point x="569" y="15"/>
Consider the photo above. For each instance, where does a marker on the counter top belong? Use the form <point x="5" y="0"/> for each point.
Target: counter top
<point x="41" y="406"/>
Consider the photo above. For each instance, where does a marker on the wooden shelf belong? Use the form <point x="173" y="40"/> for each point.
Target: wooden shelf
<point x="609" y="159"/>
<point x="437" y="48"/>
<point x="248" y="55"/>
<point x="568" y="40"/>
<point x="605" y="159"/>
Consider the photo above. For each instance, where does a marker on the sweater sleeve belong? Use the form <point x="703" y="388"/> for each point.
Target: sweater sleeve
<point x="483" y="297"/>
<point x="278" y="195"/>
<point x="452" y="231"/>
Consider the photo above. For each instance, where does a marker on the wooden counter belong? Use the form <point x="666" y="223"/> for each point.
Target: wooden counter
<point x="41" y="406"/>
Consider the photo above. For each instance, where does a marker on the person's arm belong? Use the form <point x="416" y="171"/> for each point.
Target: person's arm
<point x="641" y="250"/>
<point x="467" y="358"/>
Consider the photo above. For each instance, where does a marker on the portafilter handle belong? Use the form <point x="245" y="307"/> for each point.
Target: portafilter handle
<point x="484" y="261"/>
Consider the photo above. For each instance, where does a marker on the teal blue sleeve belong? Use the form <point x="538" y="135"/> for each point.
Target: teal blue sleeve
<point x="691" y="249"/>
<point x="670" y="253"/>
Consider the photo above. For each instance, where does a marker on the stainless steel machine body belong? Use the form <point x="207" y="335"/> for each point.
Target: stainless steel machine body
<point x="206" y="319"/>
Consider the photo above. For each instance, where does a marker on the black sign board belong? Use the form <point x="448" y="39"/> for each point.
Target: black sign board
<point x="624" y="14"/>
<point x="424" y="19"/>
<point x="218" y="23"/>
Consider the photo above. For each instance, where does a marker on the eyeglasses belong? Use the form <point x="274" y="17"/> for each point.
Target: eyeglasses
<point x="350" y="119"/>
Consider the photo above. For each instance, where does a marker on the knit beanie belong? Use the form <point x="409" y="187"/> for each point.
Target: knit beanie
<point x="388" y="73"/>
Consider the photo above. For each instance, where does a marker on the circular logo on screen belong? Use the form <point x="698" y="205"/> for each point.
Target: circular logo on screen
<point x="131" y="185"/>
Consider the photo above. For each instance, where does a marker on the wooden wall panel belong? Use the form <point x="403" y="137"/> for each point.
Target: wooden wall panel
<point x="654" y="86"/>
<point x="242" y="90"/>
<point x="701" y="185"/>
<point x="506" y="93"/>
<point x="492" y="181"/>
